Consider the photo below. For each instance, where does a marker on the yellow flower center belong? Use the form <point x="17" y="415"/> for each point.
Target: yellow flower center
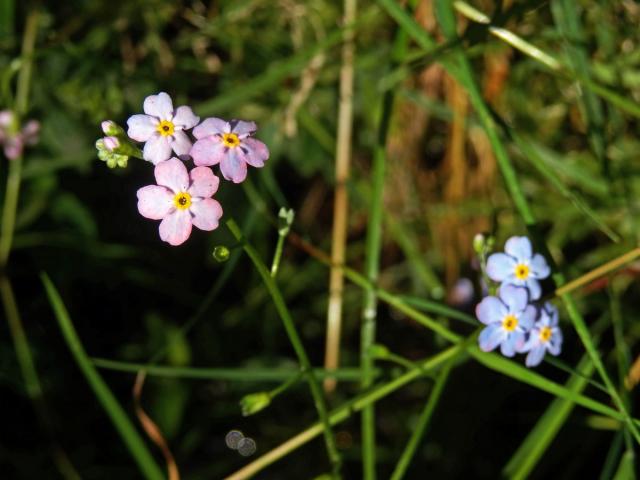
<point x="545" y="334"/>
<point x="230" y="140"/>
<point x="166" y="128"/>
<point x="509" y="323"/>
<point x="182" y="200"/>
<point x="522" y="271"/>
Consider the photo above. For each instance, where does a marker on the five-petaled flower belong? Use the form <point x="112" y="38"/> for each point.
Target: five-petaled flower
<point x="230" y="144"/>
<point x="181" y="199"/>
<point x="545" y="336"/>
<point x="519" y="266"/>
<point x="162" y="128"/>
<point x="508" y="318"/>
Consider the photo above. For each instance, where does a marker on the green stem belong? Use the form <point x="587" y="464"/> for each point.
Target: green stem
<point x="123" y="425"/>
<point x="275" y="264"/>
<point x="373" y="248"/>
<point x="234" y="374"/>
<point x="296" y="343"/>
<point x="421" y="425"/>
<point x="24" y="77"/>
<point x="9" y="210"/>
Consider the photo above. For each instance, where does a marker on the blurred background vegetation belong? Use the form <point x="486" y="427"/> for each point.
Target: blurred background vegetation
<point x="277" y="62"/>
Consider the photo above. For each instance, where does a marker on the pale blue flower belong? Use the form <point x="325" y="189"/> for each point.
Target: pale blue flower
<point x="508" y="318"/>
<point x="545" y="336"/>
<point x="519" y="266"/>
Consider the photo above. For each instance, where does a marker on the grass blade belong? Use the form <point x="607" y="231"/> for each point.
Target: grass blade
<point x="121" y="422"/>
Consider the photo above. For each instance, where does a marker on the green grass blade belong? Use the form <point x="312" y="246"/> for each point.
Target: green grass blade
<point x="544" y="432"/>
<point x="626" y="469"/>
<point x="421" y="425"/>
<point x="121" y="422"/>
<point x="567" y="19"/>
<point x="535" y="159"/>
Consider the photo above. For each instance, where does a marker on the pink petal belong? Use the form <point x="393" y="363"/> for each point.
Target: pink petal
<point x="172" y="174"/>
<point x="206" y="214"/>
<point x="141" y="127"/>
<point x="243" y="128"/>
<point x="159" y="105"/>
<point x="180" y="143"/>
<point x="207" y="151"/>
<point x="233" y="167"/>
<point x="154" y="202"/>
<point x="185" y="118"/>
<point x="6" y="118"/>
<point x="257" y="152"/>
<point x="175" y="228"/>
<point x="203" y="182"/>
<point x="13" y="147"/>
<point x="31" y="131"/>
<point x="157" y="149"/>
<point x="210" y="126"/>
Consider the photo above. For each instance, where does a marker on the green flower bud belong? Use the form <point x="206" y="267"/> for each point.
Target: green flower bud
<point x="285" y="220"/>
<point x="221" y="253"/>
<point x="254" y="402"/>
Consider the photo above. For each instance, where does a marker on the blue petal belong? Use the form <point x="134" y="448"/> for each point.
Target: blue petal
<point x="535" y="356"/>
<point x="518" y="247"/>
<point x="490" y="310"/>
<point x="516" y="298"/>
<point x="491" y="337"/>
<point x="508" y="345"/>
<point x="528" y="317"/>
<point x="551" y="313"/>
<point x="500" y="267"/>
<point x="539" y="267"/>
<point x="535" y="291"/>
<point x="555" y="344"/>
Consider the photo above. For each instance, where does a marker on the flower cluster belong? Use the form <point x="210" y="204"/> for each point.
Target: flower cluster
<point x="182" y="197"/>
<point x="512" y="321"/>
<point x="12" y="138"/>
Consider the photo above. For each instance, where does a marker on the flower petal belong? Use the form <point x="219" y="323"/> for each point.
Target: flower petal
<point x="175" y="228"/>
<point x="233" y="167"/>
<point x="210" y="126"/>
<point x="172" y="174"/>
<point x="518" y="247"/>
<point x="490" y="310"/>
<point x="551" y="312"/>
<point x="180" y="143"/>
<point x="157" y="149"/>
<point x="243" y="129"/>
<point x="208" y="151"/>
<point x="528" y="317"/>
<point x="206" y="214"/>
<point x="535" y="356"/>
<point x="535" y="290"/>
<point x="539" y="267"/>
<point x="491" y="337"/>
<point x="154" y="202"/>
<point x="513" y="340"/>
<point x="185" y="118"/>
<point x="555" y="344"/>
<point x="256" y="152"/>
<point x="516" y="298"/>
<point x="159" y="105"/>
<point x="141" y="127"/>
<point x="500" y="267"/>
<point x="203" y="182"/>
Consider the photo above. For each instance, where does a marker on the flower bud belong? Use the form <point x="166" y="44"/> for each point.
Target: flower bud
<point x="254" y="402"/>
<point x="111" y="128"/>
<point x="285" y="220"/>
<point x="111" y="143"/>
<point x="221" y="253"/>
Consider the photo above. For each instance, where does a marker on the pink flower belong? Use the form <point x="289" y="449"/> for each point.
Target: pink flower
<point x="180" y="200"/>
<point x="14" y="141"/>
<point x="230" y="144"/>
<point x="162" y="128"/>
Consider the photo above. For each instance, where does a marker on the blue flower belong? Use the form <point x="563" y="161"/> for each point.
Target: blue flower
<point x="508" y="319"/>
<point x="545" y="336"/>
<point x="519" y="266"/>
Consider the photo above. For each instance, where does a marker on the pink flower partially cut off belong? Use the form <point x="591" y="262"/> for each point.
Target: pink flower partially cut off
<point x="162" y="128"/>
<point x="13" y="141"/>
<point x="229" y="144"/>
<point x="181" y="200"/>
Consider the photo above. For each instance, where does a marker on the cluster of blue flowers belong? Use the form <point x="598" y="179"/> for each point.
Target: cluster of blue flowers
<point x="512" y="321"/>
